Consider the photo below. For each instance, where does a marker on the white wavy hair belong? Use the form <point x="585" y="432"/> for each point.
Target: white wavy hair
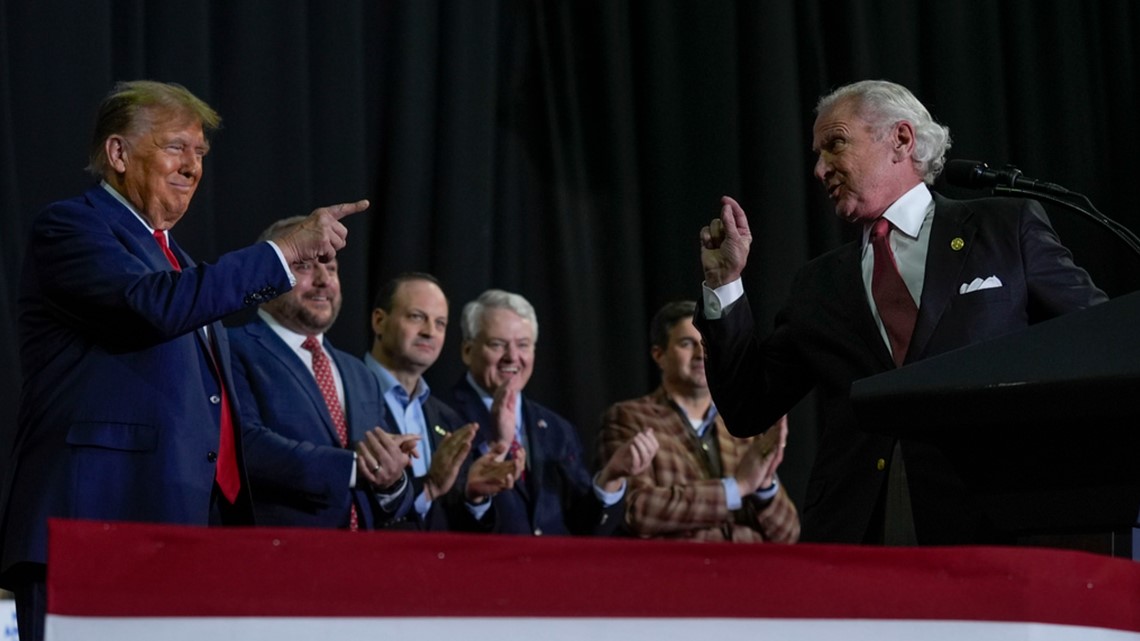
<point x="471" y="321"/>
<point x="882" y="104"/>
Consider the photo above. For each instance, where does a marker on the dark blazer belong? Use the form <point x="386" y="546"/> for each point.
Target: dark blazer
<point x="557" y="495"/>
<point x="446" y="512"/>
<point x="298" y="470"/>
<point x="825" y="337"/>
<point x="119" y="412"/>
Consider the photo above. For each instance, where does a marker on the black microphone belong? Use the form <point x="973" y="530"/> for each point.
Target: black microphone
<point x="973" y="174"/>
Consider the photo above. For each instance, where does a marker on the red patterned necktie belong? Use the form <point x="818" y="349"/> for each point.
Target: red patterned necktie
<point x="322" y="371"/>
<point x="226" y="474"/>
<point x="893" y="300"/>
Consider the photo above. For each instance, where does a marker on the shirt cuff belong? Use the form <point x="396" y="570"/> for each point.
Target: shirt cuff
<point x="720" y="300"/>
<point x="423" y="503"/>
<point x="478" y="511"/>
<point x="387" y="497"/>
<point x="608" y="498"/>
<point x="284" y="263"/>
<point x="732" y="498"/>
<point x="768" y="493"/>
<point x="352" y="475"/>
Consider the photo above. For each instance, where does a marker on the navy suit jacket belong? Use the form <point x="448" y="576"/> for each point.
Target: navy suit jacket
<point x="298" y="471"/>
<point x="119" y="411"/>
<point x="825" y="338"/>
<point x="557" y="495"/>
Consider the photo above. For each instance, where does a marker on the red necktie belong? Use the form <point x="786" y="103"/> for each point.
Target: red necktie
<point x="896" y="307"/>
<point x="322" y="371"/>
<point x="160" y="236"/>
<point x="226" y="474"/>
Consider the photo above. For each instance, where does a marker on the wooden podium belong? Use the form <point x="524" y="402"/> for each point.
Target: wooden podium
<point x="1043" y="425"/>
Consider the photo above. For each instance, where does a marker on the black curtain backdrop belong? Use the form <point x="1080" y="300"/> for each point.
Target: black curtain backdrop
<point x="569" y="151"/>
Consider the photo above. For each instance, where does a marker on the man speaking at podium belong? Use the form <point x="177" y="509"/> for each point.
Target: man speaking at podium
<point x="929" y="275"/>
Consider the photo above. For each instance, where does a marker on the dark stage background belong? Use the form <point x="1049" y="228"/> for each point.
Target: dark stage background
<point x="569" y="151"/>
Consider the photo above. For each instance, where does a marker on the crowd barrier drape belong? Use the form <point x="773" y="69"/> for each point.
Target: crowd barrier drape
<point x="135" y="581"/>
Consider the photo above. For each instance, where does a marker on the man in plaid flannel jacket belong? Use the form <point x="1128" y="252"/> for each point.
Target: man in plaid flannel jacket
<point x="704" y="484"/>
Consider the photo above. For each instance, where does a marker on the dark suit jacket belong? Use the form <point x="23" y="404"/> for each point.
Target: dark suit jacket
<point x="826" y="337"/>
<point x="557" y="496"/>
<point x="298" y="470"/>
<point x="446" y="512"/>
<point x="119" y="412"/>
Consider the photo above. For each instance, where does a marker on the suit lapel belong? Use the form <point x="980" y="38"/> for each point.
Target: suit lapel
<point x="220" y="345"/>
<point x="184" y="260"/>
<point x="952" y="221"/>
<point x="211" y="338"/>
<point x="349" y="401"/>
<point x="436" y="429"/>
<point x="128" y="228"/>
<point x="300" y="374"/>
<point x="202" y="333"/>
<point x="536" y="434"/>
<point x="470" y="407"/>
<point x="851" y="293"/>
<point x="682" y="432"/>
<point x="731" y="449"/>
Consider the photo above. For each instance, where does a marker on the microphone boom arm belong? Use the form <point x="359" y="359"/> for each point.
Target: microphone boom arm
<point x="1120" y="231"/>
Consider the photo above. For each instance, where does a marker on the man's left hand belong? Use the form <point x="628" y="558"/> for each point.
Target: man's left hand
<point x="631" y="459"/>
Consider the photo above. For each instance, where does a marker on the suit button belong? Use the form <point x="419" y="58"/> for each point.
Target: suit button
<point x="215" y="399"/>
<point x="881" y="464"/>
<point x="538" y="531"/>
<point x="211" y="456"/>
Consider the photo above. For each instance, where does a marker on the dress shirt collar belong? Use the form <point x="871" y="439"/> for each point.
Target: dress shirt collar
<point x="710" y="417"/>
<point x="699" y="427"/>
<point x="131" y="208"/>
<point x="293" y="341"/>
<point x="389" y="384"/>
<point x="907" y="213"/>
<point x="291" y="338"/>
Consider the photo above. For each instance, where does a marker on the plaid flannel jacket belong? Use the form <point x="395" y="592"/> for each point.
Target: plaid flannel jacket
<point x="676" y="497"/>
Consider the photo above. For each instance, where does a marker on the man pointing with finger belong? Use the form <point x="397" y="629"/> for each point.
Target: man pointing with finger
<point x="892" y="298"/>
<point x="127" y="410"/>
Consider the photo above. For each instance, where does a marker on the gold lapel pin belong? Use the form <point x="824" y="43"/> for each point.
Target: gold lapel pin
<point x="439" y="430"/>
<point x="957" y="244"/>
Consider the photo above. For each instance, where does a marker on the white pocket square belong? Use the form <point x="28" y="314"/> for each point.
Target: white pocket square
<point x="990" y="283"/>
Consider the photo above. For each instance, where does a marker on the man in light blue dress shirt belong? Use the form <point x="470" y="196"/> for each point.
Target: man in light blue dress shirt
<point x="409" y="320"/>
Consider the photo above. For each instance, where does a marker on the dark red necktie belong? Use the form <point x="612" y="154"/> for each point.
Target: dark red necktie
<point x="226" y="474"/>
<point x="322" y="371"/>
<point x="893" y="300"/>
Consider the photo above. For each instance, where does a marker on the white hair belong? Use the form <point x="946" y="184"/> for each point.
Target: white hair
<point x="883" y="104"/>
<point x="472" y="319"/>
